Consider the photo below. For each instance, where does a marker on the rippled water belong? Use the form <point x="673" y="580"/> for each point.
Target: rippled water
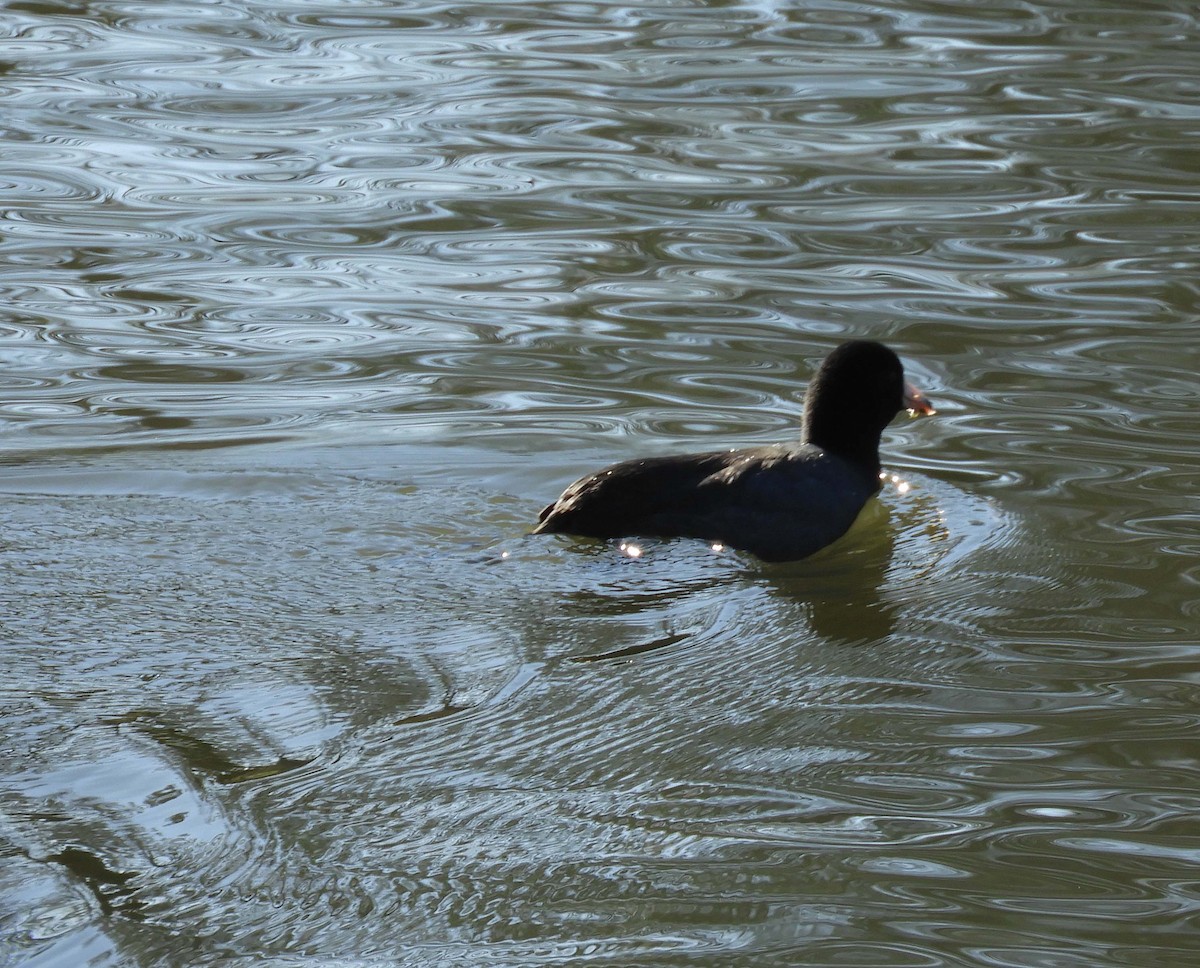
<point x="310" y="306"/>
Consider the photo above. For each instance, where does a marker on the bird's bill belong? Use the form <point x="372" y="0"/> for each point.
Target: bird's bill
<point x="916" y="403"/>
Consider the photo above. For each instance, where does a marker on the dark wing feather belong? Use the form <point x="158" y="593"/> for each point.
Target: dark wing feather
<point x="610" y="503"/>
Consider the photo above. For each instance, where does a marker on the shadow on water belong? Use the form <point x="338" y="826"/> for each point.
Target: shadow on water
<point x="851" y="592"/>
<point x="843" y="587"/>
<point x="839" y="592"/>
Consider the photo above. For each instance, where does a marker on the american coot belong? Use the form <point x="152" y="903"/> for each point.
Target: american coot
<point x="780" y="502"/>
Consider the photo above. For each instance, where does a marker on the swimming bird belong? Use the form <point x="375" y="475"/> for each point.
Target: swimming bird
<point x="780" y="502"/>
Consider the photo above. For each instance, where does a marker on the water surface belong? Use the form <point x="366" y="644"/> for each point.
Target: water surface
<point x="309" y="307"/>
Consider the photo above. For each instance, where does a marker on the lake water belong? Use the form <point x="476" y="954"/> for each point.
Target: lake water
<point x="309" y="306"/>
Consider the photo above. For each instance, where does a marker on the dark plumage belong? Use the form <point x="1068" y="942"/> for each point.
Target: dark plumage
<point x="780" y="502"/>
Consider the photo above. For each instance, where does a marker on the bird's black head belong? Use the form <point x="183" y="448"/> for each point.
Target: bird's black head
<point x="855" y="394"/>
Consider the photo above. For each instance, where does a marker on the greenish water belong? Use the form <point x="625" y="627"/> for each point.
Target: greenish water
<point x="308" y="307"/>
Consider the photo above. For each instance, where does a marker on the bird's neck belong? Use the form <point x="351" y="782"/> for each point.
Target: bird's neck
<point x="836" y="436"/>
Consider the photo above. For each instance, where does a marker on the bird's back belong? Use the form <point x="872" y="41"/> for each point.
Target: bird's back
<point x="779" y="503"/>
